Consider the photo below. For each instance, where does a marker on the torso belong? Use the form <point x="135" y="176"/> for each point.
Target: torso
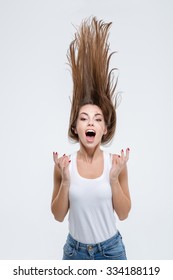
<point x="91" y="213"/>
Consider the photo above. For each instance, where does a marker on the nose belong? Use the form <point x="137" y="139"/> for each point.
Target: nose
<point x="90" y="123"/>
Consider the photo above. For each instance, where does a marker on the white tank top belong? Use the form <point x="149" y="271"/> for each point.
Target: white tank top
<point x="91" y="214"/>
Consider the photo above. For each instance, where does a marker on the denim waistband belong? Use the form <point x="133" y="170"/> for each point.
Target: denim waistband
<point x="100" y="245"/>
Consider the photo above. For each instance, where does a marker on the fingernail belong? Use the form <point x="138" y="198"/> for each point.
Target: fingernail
<point x="63" y="155"/>
<point x="118" y="155"/>
<point x="128" y="149"/>
<point x="122" y="150"/>
<point x="69" y="161"/>
<point x="56" y="153"/>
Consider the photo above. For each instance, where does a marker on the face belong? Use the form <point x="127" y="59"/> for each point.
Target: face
<point x="90" y="125"/>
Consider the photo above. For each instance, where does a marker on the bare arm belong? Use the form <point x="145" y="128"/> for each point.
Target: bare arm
<point x="60" y="197"/>
<point x="119" y="183"/>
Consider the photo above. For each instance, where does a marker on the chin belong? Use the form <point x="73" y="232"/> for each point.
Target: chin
<point x="91" y="144"/>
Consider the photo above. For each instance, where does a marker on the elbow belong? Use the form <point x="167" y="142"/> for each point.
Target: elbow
<point x="124" y="216"/>
<point x="57" y="216"/>
<point x="59" y="219"/>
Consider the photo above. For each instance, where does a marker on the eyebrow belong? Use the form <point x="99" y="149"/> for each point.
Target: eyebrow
<point x="97" y="114"/>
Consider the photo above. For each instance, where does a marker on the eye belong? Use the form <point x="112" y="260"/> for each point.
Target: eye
<point x="98" y="120"/>
<point x="83" y="119"/>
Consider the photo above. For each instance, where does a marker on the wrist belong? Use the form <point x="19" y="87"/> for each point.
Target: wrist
<point x="114" y="181"/>
<point x="65" y="183"/>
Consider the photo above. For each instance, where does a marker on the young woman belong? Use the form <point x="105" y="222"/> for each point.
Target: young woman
<point x="92" y="184"/>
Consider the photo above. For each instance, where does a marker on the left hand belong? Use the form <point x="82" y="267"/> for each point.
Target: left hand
<point x="118" y="163"/>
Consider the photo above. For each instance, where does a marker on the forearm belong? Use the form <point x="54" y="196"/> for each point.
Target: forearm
<point x="60" y="204"/>
<point x="121" y="202"/>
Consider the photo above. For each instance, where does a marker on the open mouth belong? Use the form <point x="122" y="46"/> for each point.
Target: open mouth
<point x="90" y="134"/>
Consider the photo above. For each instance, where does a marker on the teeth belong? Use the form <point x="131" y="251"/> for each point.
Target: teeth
<point x="90" y="130"/>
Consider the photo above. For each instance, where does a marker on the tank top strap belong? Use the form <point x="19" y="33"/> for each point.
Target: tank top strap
<point x="108" y="163"/>
<point x="72" y="164"/>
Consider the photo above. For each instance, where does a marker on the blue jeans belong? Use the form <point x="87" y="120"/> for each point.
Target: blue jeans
<point x="111" y="249"/>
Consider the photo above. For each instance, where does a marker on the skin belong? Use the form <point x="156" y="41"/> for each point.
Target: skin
<point x="90" y="165"/>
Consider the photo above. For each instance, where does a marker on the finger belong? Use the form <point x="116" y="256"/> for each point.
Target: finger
<point x="62" y="161"/>
<point x="127" y="153"/>
<point x="115" y="157"/>
<point x="55" y="156"/>
<point x="115" y="160"/>
<point x="65" y="161"/>
<point x="122" y="153"/>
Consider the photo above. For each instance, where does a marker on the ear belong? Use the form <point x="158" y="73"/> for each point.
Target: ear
<point x="105" y="130"/>
<point x="75" y="130"/>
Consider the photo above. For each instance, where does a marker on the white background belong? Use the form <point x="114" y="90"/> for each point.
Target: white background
<point x="35" y="85"/>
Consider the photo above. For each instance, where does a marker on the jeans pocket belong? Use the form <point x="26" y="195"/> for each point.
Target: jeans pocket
<point x="115" y="251"/>
<point x="69" y="250"/>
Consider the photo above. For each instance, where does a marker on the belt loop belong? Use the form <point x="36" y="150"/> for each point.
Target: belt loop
<point x="99" y="247"/>
<point x="77" y="245"/>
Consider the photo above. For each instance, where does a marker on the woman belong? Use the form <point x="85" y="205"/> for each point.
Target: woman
<point x="92" y="184"/>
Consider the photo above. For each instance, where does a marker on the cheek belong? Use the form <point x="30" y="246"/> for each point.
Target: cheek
<point x="103" y="129"/>
<point x="79" y="128"/>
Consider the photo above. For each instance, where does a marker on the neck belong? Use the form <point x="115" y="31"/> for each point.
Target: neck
<point x="88" y="154"/>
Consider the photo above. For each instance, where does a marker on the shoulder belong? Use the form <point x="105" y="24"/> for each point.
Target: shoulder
<point x="107" y="159"/>
<point x="73" y="154"/>
<point x="110" y="156"/>
<point x="106" y="153"/>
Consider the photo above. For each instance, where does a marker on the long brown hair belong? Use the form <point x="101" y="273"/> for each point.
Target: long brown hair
<point x="93" y="82"/>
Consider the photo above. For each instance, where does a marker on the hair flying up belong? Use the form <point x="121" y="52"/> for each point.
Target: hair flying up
<point x="93" y="82"/>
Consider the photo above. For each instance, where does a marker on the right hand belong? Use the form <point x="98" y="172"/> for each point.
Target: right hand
<point x="63" y="165"/>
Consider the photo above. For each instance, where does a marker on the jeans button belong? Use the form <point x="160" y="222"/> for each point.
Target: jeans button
<point x="90" y="247"/>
